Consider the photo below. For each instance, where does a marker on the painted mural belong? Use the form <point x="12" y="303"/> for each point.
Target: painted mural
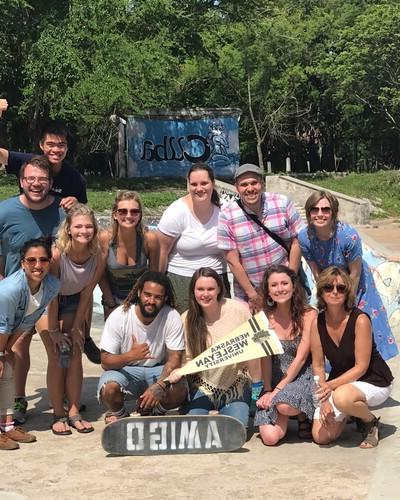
<point x="169" y="147"/>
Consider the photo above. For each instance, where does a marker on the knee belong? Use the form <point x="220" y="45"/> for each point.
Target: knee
<point x="110" y="390"/>
<point x="342" y="396"/>
<point x="270" y="435"/>
<point x="285" y="409"/>
<point x="320" y="436"/>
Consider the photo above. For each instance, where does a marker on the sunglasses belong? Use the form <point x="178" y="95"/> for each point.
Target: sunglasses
<point x="323" y="210"/>
<point x="131" y="211"/>
<point x="339" y="288"/>
<point x="33" y="260"/>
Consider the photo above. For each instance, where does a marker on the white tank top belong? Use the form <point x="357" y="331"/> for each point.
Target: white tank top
<point x="74" y="277"/>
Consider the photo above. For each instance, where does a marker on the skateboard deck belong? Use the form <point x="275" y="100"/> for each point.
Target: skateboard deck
<point x="173" y="434"/>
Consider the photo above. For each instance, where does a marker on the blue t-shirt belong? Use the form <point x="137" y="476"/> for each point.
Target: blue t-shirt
<point x="68" y="182"/>
<point x="19" y="224"/>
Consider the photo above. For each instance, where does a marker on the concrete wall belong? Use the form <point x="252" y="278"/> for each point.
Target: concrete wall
<point x="351" y="210"/>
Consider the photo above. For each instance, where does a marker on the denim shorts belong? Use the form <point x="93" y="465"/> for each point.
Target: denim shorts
<point x="134" y="380"/>
<point x="68" y="303"/>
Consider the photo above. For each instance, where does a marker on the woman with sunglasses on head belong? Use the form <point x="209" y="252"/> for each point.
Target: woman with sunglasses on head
<point x="188" y="234"/>
<point x="287" y="377"/>
<point x="359" y="378"/>
<point x="131" y="250"/>
<point x="79" y="263"/>
<point x="329" y="242"/>
<point x="24" y="296"/>
<point x="209" y="319"/>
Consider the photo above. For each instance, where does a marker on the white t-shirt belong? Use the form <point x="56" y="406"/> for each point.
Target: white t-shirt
<point x="34" y="301"/>
<point x="196" y="244"/>
<point x="165" y="331"/>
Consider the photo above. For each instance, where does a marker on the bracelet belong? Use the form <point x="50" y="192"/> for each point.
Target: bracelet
<point x="52" y="332"/>
<point x="279" y="389"/>
<point x="108" y="303"/>
<point x="160" y="385"/>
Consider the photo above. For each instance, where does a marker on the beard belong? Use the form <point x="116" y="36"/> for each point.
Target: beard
<point x="149" y="314"/>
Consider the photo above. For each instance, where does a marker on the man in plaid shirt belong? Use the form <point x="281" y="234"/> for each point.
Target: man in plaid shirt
<point x="249" y="250"/>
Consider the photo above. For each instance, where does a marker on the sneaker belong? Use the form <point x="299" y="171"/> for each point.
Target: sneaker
<point x="7" y="444"/>
<point x="92" y="351"/>
<point x="20" y="407"/>
<point x="20" y="435"/>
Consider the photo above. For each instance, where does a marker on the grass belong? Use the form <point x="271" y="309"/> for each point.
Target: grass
<point x="156" y="193"/>
<point x="381" y="188"/>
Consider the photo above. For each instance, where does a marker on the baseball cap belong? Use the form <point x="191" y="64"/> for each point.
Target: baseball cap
<point x="246" y="168"/>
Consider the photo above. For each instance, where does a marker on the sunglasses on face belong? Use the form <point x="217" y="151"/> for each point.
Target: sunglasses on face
<point x="131" y="211"/>
<point x="339" y="288"/>
<point x="323" y="210"/>
<point x="33" y="260"/>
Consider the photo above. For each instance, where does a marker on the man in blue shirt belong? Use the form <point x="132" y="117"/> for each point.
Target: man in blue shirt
<point x="67" y="181"/>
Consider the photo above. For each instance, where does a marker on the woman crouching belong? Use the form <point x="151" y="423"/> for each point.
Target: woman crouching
<point x="359" y="378"/>
<point x="209" y="319"/>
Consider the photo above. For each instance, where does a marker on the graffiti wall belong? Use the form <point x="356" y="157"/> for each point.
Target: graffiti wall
<point x="169" y="147"/>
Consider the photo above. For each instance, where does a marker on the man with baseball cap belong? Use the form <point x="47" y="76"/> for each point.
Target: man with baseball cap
<point x="249" y="249"/>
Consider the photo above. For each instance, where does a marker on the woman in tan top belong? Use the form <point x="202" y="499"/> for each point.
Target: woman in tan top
<point x="79" y="264"/>
<point x="211" y="317"/>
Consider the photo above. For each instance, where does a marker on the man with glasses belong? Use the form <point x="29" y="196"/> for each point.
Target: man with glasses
<point x="34" y="213"/>
<point x="67" y="181"/>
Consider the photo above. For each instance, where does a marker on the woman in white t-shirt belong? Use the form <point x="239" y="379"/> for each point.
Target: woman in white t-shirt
<point x="188" y="234"/>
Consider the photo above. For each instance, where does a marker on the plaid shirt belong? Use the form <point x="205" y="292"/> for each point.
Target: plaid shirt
<point x="257" y="250"/>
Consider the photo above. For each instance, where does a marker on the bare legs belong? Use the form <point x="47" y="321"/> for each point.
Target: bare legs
<point x="272" y="434"/>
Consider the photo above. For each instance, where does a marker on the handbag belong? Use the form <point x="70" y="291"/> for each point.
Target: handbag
<point x="301" y="273"/>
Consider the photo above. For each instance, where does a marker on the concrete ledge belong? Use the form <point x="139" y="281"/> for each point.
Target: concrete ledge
<point x="352" y="210"/>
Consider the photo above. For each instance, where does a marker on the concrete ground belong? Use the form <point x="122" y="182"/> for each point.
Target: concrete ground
<point x="65" y="467"/>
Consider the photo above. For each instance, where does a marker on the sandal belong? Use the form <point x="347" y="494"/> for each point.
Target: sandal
<point x="370" y="434"/>
<point x="112" y="416"/>
<point x="78" y="418"/>
<point x="304" y="428"/>
<point x="62" y="419"/>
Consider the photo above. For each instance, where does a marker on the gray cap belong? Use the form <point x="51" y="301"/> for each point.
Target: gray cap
<point x="247" y="168"/>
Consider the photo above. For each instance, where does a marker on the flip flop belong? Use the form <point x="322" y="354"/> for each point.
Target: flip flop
<point x="78" y="418"/>
<point x="64" y="420"/>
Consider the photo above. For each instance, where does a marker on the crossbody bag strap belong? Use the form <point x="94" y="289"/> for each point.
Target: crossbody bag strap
<point x="254" y="218"/>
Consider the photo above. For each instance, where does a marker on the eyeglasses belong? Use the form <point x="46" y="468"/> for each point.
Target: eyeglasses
<point x="33" y="260"/>
<point x="323" y="210"/>
<point x="339" y="288"/>
<point x="41" y="180"/>
<point x="132" y="211"/>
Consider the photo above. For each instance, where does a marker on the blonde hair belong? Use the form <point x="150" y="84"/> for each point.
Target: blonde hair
<point x="64" y="242"/>
<point x="125" y="195"/>
<point x="327" y="277"/>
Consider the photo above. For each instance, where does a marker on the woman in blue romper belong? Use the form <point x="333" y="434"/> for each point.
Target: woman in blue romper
<point x="328" y="242"/>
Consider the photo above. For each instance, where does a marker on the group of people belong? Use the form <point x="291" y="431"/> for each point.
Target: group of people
<point x="167" y="297"/>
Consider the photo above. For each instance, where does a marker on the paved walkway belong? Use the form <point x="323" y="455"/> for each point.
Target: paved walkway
<point x="58" y="467"/>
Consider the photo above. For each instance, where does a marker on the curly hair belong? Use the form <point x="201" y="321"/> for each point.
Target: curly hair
<point x="64" y="241"/>
<point x="195" y="323"/>
<point x="298" y="303"/>
<point x="155" y="277"/>
<point x="43" y="242"/>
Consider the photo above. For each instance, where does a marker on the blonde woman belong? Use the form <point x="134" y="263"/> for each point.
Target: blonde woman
<point x="130" y="249"/>
<point x="79" y="264"/>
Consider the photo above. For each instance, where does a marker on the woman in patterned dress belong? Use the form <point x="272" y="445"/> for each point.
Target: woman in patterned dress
<point x="287" y="377"/>
<point x="329" y="242"/>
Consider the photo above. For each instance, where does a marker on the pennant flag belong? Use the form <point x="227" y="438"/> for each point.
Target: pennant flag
<point x="255" y="338"/>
